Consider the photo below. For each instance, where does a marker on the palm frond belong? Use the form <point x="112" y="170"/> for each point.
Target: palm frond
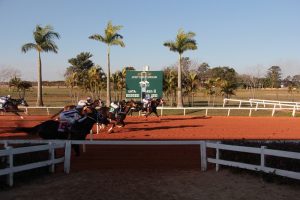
<point x="97" y="37"/>
<point x="28" y="46"/>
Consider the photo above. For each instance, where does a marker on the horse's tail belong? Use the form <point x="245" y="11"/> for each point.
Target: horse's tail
<point x="24" y="129"/>
<point x="28" y="130"/>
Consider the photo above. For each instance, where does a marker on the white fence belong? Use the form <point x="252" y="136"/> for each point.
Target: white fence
<point x="9" y="153"/>
<point x="203" y="145"/>
<point x="273" y="105"/>
<point x="273" y="109"/>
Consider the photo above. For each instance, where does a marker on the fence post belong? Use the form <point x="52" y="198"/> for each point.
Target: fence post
<point x="51" y="156"/>
<point x="67" y="162"/>
<point x="224" y="102"/>
<point x="256" y="106"/>
<point x="161" y="110"/>
<point x="26" y="110"/>
<point x="217" y="157"/>
<point x="183" y="111"/>
<point x="203" y="156"/>
<point x="206" y="112"/>
<point x="228" y="113"/>
<point x="262" y="158"/>
<point x="240" y="104"/>
<point x="294" y="111"/>
<point x="273" y="112"/>
<point x="250" y="112"/>
<point x="10" y="163"/>
<point x="48" y="112"/>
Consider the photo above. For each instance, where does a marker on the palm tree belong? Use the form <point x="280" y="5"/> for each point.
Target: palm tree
<point x="43" y="43"/>
<point x="110" y="38"/>
<point x="184" y="41"/>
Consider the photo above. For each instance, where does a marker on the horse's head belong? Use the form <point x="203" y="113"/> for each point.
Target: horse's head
<point x="160" y="101"/>
<point x="23" y="102"/>
<point x="97" y="103"/>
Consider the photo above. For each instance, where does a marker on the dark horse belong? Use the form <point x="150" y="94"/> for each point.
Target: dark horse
<point x="117" y="119"/>
<point x="11" y="105"/>
<point x="153" y="107"/>
<point x="78" y="131"/>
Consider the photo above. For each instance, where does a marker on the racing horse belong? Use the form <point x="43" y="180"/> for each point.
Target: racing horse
<point x="117" y="118"/>
<point x="11" y="105"/>
<point x="153" y="107"/>
<point x="78" y="131"/>
<point x="95" y="104"/>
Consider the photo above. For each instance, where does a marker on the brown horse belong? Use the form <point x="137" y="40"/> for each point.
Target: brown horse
<point x="12" y="106"/>
<point x="153" y="107"/>
<point x="117" y="118"/>
<point x="78" y="131"/>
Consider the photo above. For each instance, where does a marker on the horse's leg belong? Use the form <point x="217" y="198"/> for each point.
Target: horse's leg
<point x="16" y="113"/>
<point x="110" y="130"/>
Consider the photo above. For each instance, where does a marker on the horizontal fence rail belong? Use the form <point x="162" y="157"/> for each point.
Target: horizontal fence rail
<point x="262" y="151"/>
<point x="9" y="152"/>
<point x="274" y="107"/>
<point x="203" y="145"/>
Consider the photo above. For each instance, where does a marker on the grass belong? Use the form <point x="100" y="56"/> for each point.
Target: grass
<point x="59" y="96"/>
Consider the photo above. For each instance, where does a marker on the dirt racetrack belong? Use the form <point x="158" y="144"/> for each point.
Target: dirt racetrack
<point x="156" y="172"/>
<point x="179" y="127"/>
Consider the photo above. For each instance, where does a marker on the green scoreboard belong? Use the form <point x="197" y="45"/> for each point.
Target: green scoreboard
<point x="140" y="83"/>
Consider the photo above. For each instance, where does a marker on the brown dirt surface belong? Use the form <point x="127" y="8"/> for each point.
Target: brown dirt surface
<point x="151" y="184"/>
<point x="180" y="128"/>
<point x="156" y="172"/>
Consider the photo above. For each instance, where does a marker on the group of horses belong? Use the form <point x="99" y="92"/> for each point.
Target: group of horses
<point x="90" y="115"/>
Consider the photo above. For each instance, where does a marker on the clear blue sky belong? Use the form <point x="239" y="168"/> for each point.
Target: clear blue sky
<point x="248" y="35"/>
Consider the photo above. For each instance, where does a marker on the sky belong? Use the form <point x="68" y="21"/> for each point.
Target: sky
<point x="248" y="35"/>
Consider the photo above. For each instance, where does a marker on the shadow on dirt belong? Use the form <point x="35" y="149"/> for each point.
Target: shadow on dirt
<point x="163" y="128"/>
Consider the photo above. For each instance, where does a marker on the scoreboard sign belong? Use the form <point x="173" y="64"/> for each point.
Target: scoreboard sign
<point x="148" y="82"/>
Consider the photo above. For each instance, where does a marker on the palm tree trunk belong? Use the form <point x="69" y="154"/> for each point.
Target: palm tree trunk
<point x="108" y="96"/>
<point x="179" y="88"/>
<point x="39" y="82"/>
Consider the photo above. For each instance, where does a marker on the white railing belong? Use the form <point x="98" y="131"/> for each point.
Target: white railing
<point x="26" y="109"/>
<point x="228" y="109"/>
<point x="9" y="153"/>
<point x="262" y="151"/>
<point x="276" y="107"/>
<point x="277" y="103"/>
<point x="203" y="145"/>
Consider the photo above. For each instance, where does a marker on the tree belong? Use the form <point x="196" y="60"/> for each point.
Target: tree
<point x="110" y="38"/>
<point x="20" y="86"/>
<point x="274" y="76"/>
<point x="169" y="83"/>
<point x="192" y="83"/>
<point x="203" y="74"/>
<point x="183" y="42"/>
<point x="43" y="38"/>
<point x="7" y="73"/>
<point x="228" y="80"/>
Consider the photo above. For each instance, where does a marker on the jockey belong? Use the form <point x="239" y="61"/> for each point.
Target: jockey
<point x="115" y="108"/>
<point x="67" y="119"/>
<point x="4" y="101"/>
<point x="146" y="101"/>
<point x="82" y="103"/>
